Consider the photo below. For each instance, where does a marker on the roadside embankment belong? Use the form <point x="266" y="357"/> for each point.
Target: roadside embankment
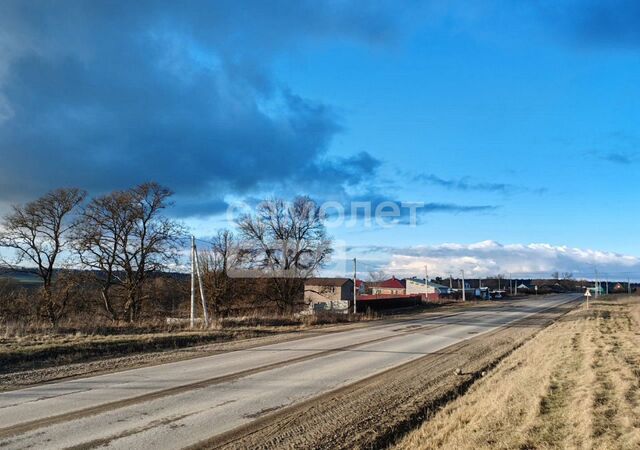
<point x="575" y="385"/>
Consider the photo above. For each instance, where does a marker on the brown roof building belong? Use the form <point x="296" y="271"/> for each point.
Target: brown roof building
<point x="328" y="289"/>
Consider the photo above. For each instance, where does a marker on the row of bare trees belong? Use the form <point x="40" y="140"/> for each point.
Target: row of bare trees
<point x="120" y="238"/>
<point x="278" y="246"/>
<point x="117" y="241"/>
<point x="123" y="237"/>
<point x="39" y="232"/>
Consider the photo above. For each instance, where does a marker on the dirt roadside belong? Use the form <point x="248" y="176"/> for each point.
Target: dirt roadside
<point x="376" y="412"/>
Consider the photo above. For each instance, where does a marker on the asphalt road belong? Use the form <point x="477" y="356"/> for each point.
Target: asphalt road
<point x="179" y="404"/>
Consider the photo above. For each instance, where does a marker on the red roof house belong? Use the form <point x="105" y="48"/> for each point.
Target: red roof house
<point x="392" y="286"/>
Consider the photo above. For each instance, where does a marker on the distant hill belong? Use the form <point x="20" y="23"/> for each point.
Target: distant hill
<point x="21" y="276"/>
<point x="26" y="278"/>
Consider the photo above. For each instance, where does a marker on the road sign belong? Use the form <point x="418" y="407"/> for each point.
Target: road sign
<point x="587" y="294"/>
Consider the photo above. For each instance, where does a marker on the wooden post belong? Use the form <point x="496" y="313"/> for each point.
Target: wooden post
<point x="193" y="281"/>
<point x="355" y="289"/>
<point x="205" y="314"/>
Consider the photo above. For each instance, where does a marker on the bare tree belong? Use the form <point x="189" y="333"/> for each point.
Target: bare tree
<point x="226" y="254"/>
<point x="377" y="275"/>
<point x="125" y="237"/>
<point x="152" y="243"/>
<point x="38" y="231"/>
<point x="288" y="242"/>
<point x="103" y="228"/>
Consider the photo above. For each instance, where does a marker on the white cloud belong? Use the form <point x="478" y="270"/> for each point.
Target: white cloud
<point x="488" y="258"/>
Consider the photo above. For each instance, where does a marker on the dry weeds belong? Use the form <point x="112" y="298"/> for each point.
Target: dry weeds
<point x="575" y="385"/>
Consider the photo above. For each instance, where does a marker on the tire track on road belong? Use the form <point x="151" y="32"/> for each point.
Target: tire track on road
<point x="94" y="410"/>
<point x="266" y="427"/>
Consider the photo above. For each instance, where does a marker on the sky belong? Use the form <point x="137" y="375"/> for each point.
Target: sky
<point x="513" y="124"/>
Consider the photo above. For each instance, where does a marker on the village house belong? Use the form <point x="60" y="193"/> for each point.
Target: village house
<point x="430" y="290"/>
<point x="360" y="287"/>
<point x="331" y="294"/>
<point x="392" y="286"/>
<point x="370" y="286"/>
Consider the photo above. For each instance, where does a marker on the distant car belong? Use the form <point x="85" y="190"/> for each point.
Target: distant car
<point x="497" y="296"/>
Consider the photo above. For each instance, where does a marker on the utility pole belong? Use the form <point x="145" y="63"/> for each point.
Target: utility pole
<point x="510" y="285"/>
<point x="464" y="296"/>
<point x="450" y="281"/>
<point x="193" y="281"/>
<point x="597" y="284"/>
<point x="498" y="281"/>
<point x="355" y="289"/>
<point x="426" y="280"/>
<point x="205" y="314"/>
<point x="629" y="285"/>
<point x="607" y="284"/>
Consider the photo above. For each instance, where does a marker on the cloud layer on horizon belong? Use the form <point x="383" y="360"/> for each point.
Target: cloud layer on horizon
<point x="488" y="258"/>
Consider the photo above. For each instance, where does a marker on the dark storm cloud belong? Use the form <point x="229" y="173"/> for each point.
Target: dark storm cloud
<point x="616" y="147"/>
<point x="377" y="208"/>
<point x="197" y="207"/>
<point x="468" y="184"/>
<point x="456" y="208"/>
<point x="103" y="95"/>
<point x="329" y="175"/>
<point x="615" y="22"/>
<point x="620" y="157"/>
<point x="610" y="23"/>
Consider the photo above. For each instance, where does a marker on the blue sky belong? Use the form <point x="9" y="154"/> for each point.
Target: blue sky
<point x="532" y="111"/>
<point x="519" y="121"/>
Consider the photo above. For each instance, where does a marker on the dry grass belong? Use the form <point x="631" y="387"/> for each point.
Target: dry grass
<point x="575" y="385"/>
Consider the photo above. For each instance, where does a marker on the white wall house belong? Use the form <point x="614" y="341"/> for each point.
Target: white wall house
<point x="418" y="286"/>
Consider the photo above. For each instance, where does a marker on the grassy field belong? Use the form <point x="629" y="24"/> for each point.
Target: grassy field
<point x="575" y="385"/>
